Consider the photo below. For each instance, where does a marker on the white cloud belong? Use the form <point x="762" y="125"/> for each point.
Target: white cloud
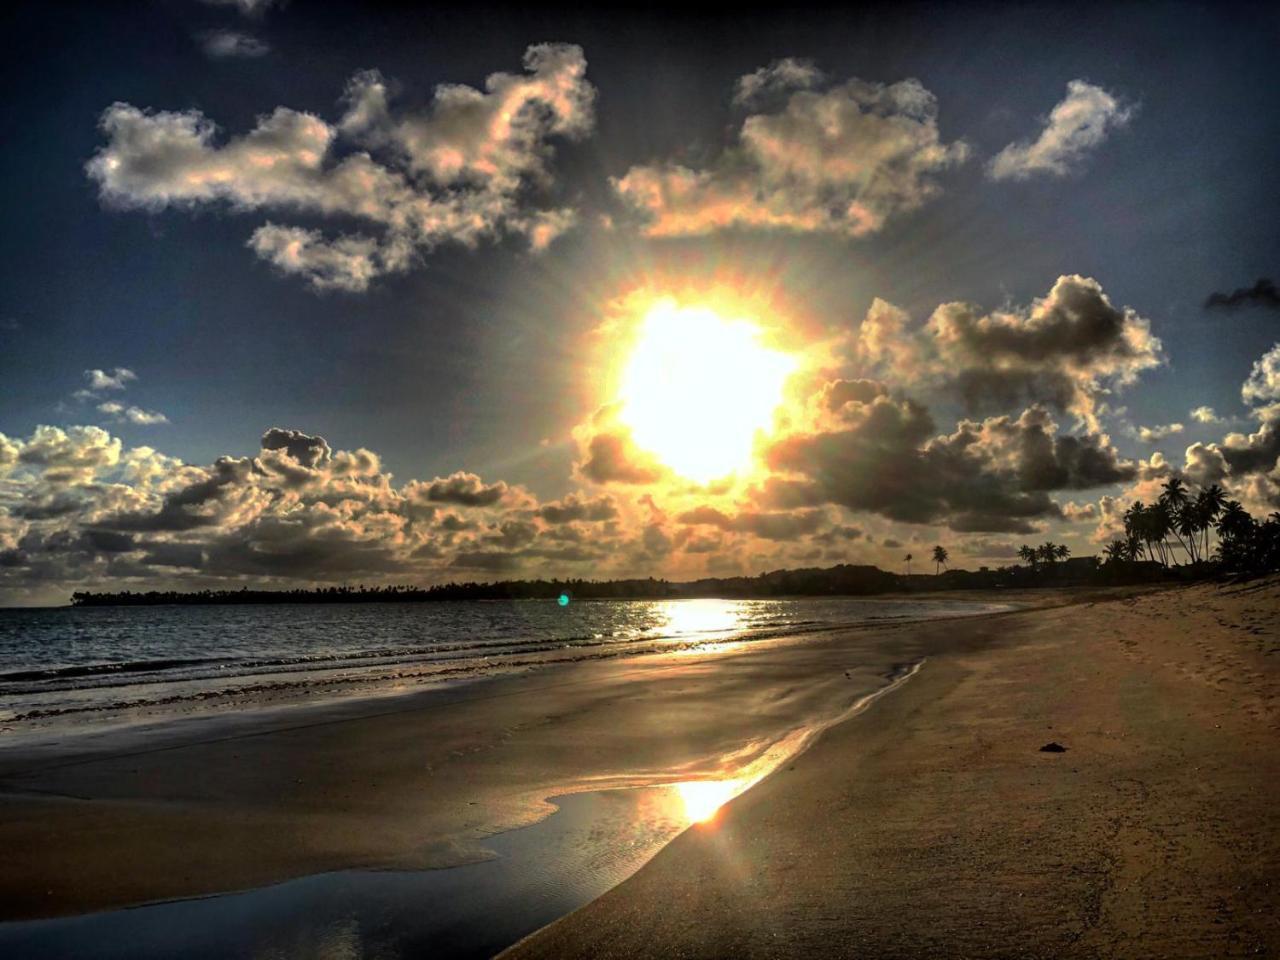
<point x="115" y="380"/>
<point x="1158" y="433"/>
<point x="462" y="171"/>
<point x="135" y="415"/>
<point x="232" y="44"/>
<point x="1205" y="415"/>
<point x="1073" y="130"/>
<point x="842" y="160"/>
<point x="1263" y="385"/>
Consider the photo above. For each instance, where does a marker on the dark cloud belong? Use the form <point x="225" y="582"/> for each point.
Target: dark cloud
<point x="765" y="525"/>
<point x="1263" y="294"/>
<point x="465" y="489"/>
<point x="574" y="507"/>
<point x="308" y="451"/>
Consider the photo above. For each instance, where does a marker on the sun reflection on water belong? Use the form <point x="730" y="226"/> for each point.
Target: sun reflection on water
<point x="694" y="617"/>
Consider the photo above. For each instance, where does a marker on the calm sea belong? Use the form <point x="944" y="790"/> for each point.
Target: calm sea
<point x="70" y="662"/>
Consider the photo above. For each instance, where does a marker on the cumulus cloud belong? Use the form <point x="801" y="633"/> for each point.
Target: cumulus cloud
<point x="466" y="489"/>
<point x="76" y="507"/>
<point x="115" y="380"/>
<point x="883" y="457"/>
<point x="1205" y="415"/>
<point x="839" y="160"/>
<point x="1066" y="349"/>
<point x="767" y="525"/>
<point x="1262" y="294"/>
<point x="232" y="45"/>
<point x="131" y="414"/>
<point x="1158" y="433"/>
<point x="462" y="171"/>
<point x="1075" y="128"/>
<point x="1263" y="385"/>
<point x="788" y="73"/>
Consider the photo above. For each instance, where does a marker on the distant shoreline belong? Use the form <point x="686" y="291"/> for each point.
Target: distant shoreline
<point x="840" y="580"/>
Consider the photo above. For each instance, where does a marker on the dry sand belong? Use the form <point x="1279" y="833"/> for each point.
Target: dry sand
<point x="933" y="826"/>
<point x="928" y="825"/>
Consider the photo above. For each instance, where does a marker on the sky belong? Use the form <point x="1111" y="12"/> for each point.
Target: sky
<point x="321" y="293"/>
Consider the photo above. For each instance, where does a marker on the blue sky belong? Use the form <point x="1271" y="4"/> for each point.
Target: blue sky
<point x="477" y="356"/>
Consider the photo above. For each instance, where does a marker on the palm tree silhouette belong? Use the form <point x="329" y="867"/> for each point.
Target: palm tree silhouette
<point x="908" y="559"/>
<point x="939" y="558"/>
<point x="1028" y="553"/>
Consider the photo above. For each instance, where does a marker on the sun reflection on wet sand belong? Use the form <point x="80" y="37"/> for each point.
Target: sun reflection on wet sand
<point x="702" y="799"/>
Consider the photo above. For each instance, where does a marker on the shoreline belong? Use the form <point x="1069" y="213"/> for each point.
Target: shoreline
<point x="936" y="826"/>
<point x="378" y="674"/>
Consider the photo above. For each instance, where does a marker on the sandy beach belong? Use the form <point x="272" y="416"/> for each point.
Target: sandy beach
<point x="933" y="825"/>
<point x="929" y="824"/>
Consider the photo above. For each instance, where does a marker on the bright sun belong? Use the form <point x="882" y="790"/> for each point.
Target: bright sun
<point x="697" y="388"/>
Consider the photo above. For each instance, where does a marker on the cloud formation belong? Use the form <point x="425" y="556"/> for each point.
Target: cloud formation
<point x="839" y="160"/>
<point x="248" y="8"/>
<point x="1067" y="349"/>
<point x="1158" y="433"/>
<point x="461" y="171"/>
<point x="788" y="73"/>
<point x="1075" y="128"/>
<point x="226" y="44"/>
<point x="1262" y="294"/>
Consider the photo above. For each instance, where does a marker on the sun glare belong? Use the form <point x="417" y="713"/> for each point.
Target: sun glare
<point x="698" y="387"/>
<point x="703" y="798"/>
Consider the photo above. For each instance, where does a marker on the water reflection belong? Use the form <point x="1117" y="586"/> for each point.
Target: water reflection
<point x="696" y="617"/>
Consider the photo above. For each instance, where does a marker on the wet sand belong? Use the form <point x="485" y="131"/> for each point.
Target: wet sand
<point x="934" y="826"/>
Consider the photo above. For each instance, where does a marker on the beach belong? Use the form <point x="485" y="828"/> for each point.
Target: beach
<point x="927" y="823"/>
<point x="934" y="825"/>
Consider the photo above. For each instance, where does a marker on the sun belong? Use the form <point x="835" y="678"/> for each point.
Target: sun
<point x="698" y="387"/>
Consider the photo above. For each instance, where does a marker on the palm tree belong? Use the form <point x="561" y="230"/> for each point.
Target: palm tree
<point x="1116" y="552"/>
<point x="1027" y="553"/>
<point x="908" y="559"/>
<point x="1209" y="506"/>
<point x="1048" y="552"/>
<point x="939" y="558"/>
<point x="1061" y="551"/>
<point x="1174" y="499"/>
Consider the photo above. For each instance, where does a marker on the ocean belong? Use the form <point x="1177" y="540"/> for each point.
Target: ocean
<point x="70" y="664"/>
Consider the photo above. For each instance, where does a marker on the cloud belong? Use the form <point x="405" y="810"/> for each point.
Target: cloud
<point x="130" y="414"/>
<point x="1262" y="294"/>
<point x="465" y="489"/>
<point x="1066" y="349"/>
<point x="1205" y="415"/>
<point x="991" y="476"/>
<point x="116" y="380"/>
<point x="573" y="508"/>
<point x="786" y="74"/>
<point x="1158" y="433"/>
<point x="249" y="8"/>
<point x="843" y="160"/>
<point x="232" y="45"/>
<point x="767" y="525"/>
<point x="1263" y="385"/>
<point x="1074" y="129"/>
<point x="463" y="171"/>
